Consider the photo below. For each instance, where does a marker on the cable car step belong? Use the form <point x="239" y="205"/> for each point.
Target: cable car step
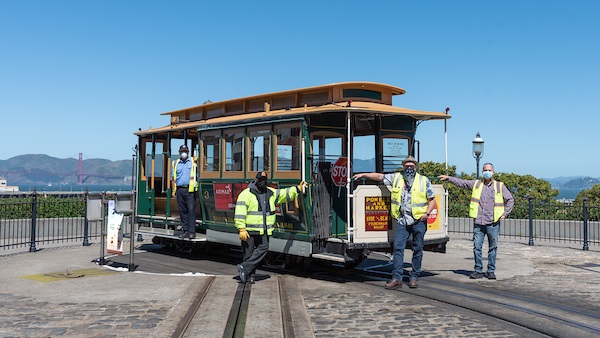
<point x="333" y="257"/>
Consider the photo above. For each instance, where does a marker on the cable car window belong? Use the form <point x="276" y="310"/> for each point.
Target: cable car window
<point x="157" y="166"/>
<point x="364" y="153"/>
<point x="327" y="148"/>
<point x="234" y="150"/>
<point x="260" y="149"/>
<point x="395" y="149"/>
<point x="148" y="159"/>
<point x="211" y="152"/>
<point x="288" y="148"/>
<point x="362" y="93"/>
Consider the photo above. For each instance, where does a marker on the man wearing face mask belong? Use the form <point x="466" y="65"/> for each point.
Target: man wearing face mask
<point x="490" y="203"/>
<point x="255" y="220"/>
<point x="186" y="185"/>
<point x="413" y="200"/>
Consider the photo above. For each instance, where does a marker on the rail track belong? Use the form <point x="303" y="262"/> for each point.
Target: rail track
<point x="525" y="314"/>
<point x="236" y="324"/>
<point x="543" y="318"/>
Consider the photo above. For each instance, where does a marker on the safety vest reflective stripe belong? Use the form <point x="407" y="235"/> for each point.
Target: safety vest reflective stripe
<point x="255" y="226"/>
<point x="259" y="213"/>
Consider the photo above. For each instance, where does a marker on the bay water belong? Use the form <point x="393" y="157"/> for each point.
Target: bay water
<point x="74" y="187"/>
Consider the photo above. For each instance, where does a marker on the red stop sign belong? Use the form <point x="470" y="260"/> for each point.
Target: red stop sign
<point x="339" y="172"/>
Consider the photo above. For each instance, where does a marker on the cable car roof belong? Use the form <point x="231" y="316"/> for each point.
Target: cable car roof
<point x="353" y="97"/>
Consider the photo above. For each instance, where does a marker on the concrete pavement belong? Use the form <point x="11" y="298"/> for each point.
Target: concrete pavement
<point x="60" y="291"/>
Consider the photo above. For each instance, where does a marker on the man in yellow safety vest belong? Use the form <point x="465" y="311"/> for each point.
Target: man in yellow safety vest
<point x="413" y="200"/>
<point x="255" y="220"/>
<point x="490" y="203"/>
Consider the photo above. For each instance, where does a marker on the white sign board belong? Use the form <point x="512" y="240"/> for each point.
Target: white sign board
<point x="114" y="241"/>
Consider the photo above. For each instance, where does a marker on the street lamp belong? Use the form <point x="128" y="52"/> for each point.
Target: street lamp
<point x="477" y="150"/>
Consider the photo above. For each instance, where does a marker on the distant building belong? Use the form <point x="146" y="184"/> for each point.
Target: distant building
<point x="567" y="201"/>
<point x="4" y="187"/>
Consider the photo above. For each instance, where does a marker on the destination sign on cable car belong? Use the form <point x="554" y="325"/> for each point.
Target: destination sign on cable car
<point x="339" y="172"/>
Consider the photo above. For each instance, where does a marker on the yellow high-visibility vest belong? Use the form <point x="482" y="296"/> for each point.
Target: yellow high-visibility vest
<point x="193" y="186"/>
<point x="498" y="200"/>
<point x="248" y="215"/>
<point x="418" y="193"/>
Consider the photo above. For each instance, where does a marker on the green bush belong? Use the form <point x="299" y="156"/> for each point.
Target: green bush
<point x="541" y="210"/>
<point x="19" y="207"/>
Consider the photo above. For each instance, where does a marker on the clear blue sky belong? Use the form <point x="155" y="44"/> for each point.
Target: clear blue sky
<point x="82" y="76"/>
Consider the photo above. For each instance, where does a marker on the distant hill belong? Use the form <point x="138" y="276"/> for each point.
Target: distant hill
<point x="557" y="182"/>
<point x="581" y="183"/>
<point x="573" y="182"/>
<point x="44" y="169"/>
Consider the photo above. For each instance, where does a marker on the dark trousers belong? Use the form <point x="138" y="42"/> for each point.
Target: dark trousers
<point x="186" y="202"/>
<point x="254" y="250"/>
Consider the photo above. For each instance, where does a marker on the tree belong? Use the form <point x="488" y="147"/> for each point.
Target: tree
<point x="458" y="199"/>
<point x="434" y="169"/>
<point x="524" y="186"/>
<point x="520" y="186"/>
<point x="592" y="194"/>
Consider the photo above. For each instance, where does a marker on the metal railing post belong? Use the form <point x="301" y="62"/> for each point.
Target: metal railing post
<point x="86" y="224"/>
<point x="32" y="247"/>
<point x="131" y="266"/>
<point x="585" y="225"/>
<point x="530" y="199"/>
<point x="103" y="229"/>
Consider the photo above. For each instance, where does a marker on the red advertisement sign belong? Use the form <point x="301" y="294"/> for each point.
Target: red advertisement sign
<point x="226" y="194"/>
<point x="433" y="221"/>
<point x="377" y="213"/>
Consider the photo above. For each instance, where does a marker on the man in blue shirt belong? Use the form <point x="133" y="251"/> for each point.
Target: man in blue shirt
<point x="184" y="180"/>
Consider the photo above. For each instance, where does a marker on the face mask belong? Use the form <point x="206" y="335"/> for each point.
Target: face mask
<point x="409" y="171"/>
<point x="261" y="185"/>
<point x="183" y="156"/>
<point x="488" y="174"/>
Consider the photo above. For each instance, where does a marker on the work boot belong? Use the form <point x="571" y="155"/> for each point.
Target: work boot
<point x="476" y="275"/>
<point x="412" y="283"/>
<point x="393" y="284"/>
<point x="243" y="273"/>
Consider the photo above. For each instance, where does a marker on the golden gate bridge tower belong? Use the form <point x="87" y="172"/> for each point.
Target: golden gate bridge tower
<point x="80" y="169"/>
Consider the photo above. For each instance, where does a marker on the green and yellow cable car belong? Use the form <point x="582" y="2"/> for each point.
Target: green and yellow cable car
<point x="319" y="134"/>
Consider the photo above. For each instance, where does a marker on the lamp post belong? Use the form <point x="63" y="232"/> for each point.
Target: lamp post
<point x="477" y="150"/>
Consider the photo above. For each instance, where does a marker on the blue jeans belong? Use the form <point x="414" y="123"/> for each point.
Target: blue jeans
<point x="491" y="231"/>
<point x="402" y="232"/>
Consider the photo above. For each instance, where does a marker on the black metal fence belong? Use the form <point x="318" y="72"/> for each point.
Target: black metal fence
<point x="534" y="221"/>
<point x="32" y="219"/>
